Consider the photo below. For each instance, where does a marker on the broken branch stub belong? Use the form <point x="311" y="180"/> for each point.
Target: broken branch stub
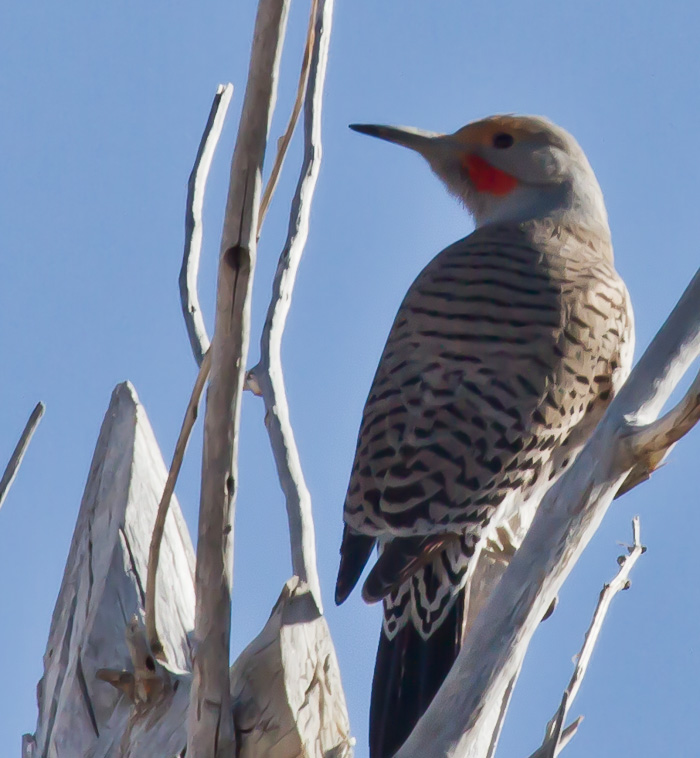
<point x="288" y="700"/>
<point x="102" y="590"/>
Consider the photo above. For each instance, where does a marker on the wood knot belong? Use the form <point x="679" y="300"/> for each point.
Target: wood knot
<point x="237" y="257"/>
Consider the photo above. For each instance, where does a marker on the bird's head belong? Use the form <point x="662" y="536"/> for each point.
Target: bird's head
<point x="510" y="168"/>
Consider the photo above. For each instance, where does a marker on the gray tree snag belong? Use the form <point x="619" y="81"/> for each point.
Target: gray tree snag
<point x="156" y="699"/>
<point x="95" y="624"/>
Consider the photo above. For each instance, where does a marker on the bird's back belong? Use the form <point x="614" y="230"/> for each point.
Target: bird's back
<point x="502" y="345"/>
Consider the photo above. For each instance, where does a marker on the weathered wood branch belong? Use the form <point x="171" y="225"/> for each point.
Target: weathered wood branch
<point x="461" y="719"/>
<point x="267" y="377"/>
<point x="210" y="730"/>
<point x="159" y="526"/>
<point x="196" y="187"/>
<point x="15" y="461"/>
<point x="556" y="736"/>
<point x="93" y="628"/>
<point x="653" y="444"/>
<point x="286" y="138"/>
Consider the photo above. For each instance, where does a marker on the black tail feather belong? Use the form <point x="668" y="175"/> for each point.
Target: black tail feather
<point x="407" y="675"/>
<point x="355" y="550"/>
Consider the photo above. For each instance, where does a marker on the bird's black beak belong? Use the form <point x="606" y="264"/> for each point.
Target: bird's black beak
<point x="406" y="136"/>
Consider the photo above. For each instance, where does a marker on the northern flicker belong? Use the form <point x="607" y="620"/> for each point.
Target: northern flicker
<point x="503" y="355"/>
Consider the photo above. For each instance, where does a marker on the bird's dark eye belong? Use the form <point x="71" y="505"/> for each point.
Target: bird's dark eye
<point x="503" y="140"/>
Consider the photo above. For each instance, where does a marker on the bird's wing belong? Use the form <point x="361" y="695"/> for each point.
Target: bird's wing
<point x="503" y="344"/>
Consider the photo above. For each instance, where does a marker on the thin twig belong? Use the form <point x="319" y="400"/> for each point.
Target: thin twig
<point x="554" y="739"/>
<point x="159" y="525"/>
<point x="286" y="138"/>
<point x="555" y="728"/>
<point x="20" y="449"/>
<point x="566" y="736"/>
<point x="196" y="187"/>
<point x="620" y="582"/>
<point x="267" y="376"/>
<point x="210" y="732"/>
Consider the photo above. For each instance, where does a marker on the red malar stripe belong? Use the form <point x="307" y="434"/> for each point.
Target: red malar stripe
<point x="486" y="178"/>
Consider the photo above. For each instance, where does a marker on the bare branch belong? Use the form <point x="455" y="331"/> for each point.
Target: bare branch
<point x="653" y="444"/>
<point x="286" y="138"/>
<point x="267" y="376"/>
<point x="155" y="694"/>
<point x="460" y="720"/>
<point x="553" y="743"/>
<point x="159" y="525"/>
<point x="196" y="187"/>
<point x="210" y="723"/>
<point x="148" y="678"/>
<point x="655" y="439"/>
<point x="20" y="449"/>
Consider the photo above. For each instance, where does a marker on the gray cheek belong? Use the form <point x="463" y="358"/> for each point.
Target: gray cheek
<point x="550" y="164"/>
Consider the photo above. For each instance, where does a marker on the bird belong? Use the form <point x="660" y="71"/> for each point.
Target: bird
<point x="501" y="360"/>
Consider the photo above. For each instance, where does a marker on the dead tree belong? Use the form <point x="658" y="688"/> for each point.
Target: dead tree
<point x="137" y="662"/>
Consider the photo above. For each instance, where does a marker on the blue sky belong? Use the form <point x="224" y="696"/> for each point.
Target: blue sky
<point x="103" y="106"/>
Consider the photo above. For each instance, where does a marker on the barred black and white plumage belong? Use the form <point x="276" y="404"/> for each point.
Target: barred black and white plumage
<point x="501" y="359"/>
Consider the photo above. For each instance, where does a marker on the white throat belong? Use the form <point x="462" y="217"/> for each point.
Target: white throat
<point x="564" y="204"/>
